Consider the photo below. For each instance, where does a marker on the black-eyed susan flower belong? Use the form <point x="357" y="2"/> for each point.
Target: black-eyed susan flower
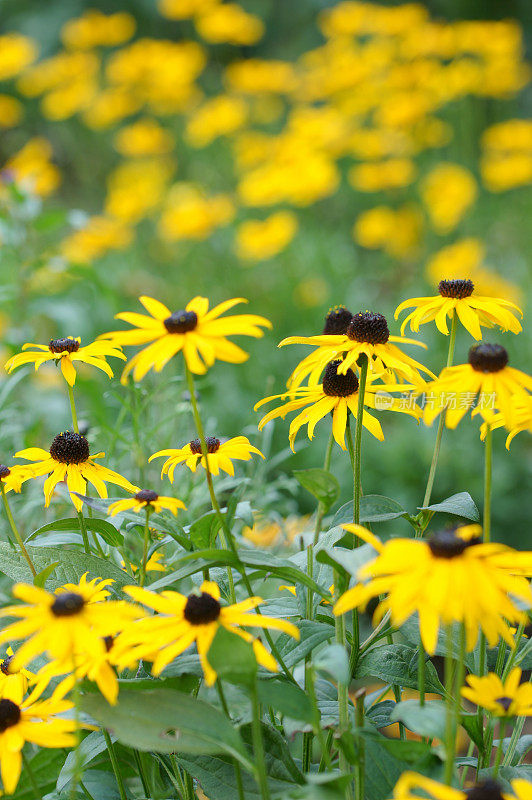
<point x="146" y="498"/>
<point x="486" y="384"/>
<point x="367" y="334"/>
<point x="509" y="699"/>
<point x="13" y="477"/>
<point x="199" y="333"/>
<point x="337" y="394"/>
<point x="153" y="564"/>
<point x="448" y="578"/>
<point x="65" y="624"/>
<point x="180" y="621"/>
<point x="220" y="455"/>
<point x="65" y="352"/>
<point x="69" y="459"/>
<point x="37" y="723"/>
<point x="14" y="680"/>
<point x="521" y="788"/>
<point x="472" y="311"/>
<point x="411" y="783"/>
<point x="521" y="419"/>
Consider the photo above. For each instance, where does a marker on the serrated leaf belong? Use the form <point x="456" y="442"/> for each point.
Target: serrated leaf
<point x="461" y="504"/>
<point x="320" y="483"/>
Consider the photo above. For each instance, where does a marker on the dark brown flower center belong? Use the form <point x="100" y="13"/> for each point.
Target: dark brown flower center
<point x="337" y="321"/>
<point x="456" y="288"/>
<point x="60" y="345"/>
<point x="336" y="385"/>
<point x="213" y="445"/>
<point x="368" y="327"/>
<point x="9" y="714"/>
<point x="181" y="321"/>
<point x="4" y="666"/>
<point x="4" y="471"/>
<point x="70" y="448"/>
<point x="202" y="609"/>
<point x="446" y="544"/>
<point x="487" y="790"/>
<point x="488" y="357"/>
<point x="108" y="642"/>
<point x="146" y="495"/>
<point x="505" y="702"/>
<point x="67" y="604"/>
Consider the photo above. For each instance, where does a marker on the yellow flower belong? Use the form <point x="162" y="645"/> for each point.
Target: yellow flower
<point x="260" y="239"/>
<point x="69" y="459"/>
<point x="183" y="9"/>
<point x="396" y="231"/>
<point x="382" y="176"/>
<point x="14" y="679"/>
<point x="457" y="295"/>
<point x="16" y="53"/>
<point x="32" y="168"/>
<point x="367" y="333"/>
<point x="448" y="191"/>
<point x="30" y="722"/>
<point x="509" y="699"/>
<point x="337" y="395"/>
<point x="183" y="620"/>
<point x="146" y="499"/>
<point x="522" y="789"/>
<point x="268" y="534"/>
<point x="13" y="477"/>
<point x="65" y="352"/>
<point x="145" y="137"/>
<point x="257" y="76"/>
<point x="228" y="22"/>
<point x="436" y="791"/>
<point x="189" y="214"/>
<point x="507" y="155"/>
<point x="94" y="29"/>
<point x="486" y="380"/>
<point x="11" y="111"/>
<point x="99" y="235"/>
<point x="199" y="333"/>
<point x="218" y="116"/>
<point x="153" y="564"/>
<point x="220" y="455"/>
<point x="136" y="188"/>
<point x="66" y="624"/>
<point x="521" y="419"/>
<point x="446" y="579"/>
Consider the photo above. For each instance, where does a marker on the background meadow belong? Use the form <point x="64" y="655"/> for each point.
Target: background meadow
<point x="300" y="154"/>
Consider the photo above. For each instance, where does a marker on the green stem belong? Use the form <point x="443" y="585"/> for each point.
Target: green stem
<point x="486" y="518"/>
<point x="238" y="771"/>
<point x="258" y="745"/>
<point x="142" y="576"/>
<point x="363" y="374"/>
<point x="514" y="650"/>
<point x="115" y="765"/>
<point x="31" y="777"/>
<point x="77" y="722"/>
<point x="343" y="689"/>
<point x="441" y="421"/>
<point x="498" y="756"/>
<point x="514" y="740"/>
<point x="311" y="688"/>
<point x="361" y="754"/>
<point x="421" y="669"/>
<point x="73" y="408"/>
<point x="321" y="508"/>
<point x="84" y="534"/>
<point x="16" y="534"/>
<point x="452" y="700"/>
<point x="140" y="768"/>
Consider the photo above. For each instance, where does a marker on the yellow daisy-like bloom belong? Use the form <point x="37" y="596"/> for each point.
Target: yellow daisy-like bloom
<point x="153" y="564"/>
<point x="220" y="455"/>
<point x="449" y="578"/>
<point x="486" y="380"/>
<point x="521" y="419"/>
<point x="13" y="477"/>
<point x="368" y="334"/>
<point x="183" y="620"/>
<point x="67" y="624"/>
<point x="337" y="394"/>
<point x="65" y="352"/>
<point x="473" y="312"/>
<point x="69" y="459"/>
<point x="508" y="699"/>
<point x="14" y="680"/>
<point x="521" y="788"/>
<point x="201" y="335"/>
<point x="410" y="781"/>
<point x="30" y="722"/>
<point x="146" y="499"/>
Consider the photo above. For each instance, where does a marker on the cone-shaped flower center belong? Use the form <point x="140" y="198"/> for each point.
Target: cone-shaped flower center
<point x="337" y="321"/>
<point x="146" y="495"/>
<point x="60" y="345"/>
<point x="212" y="443"/>
<point x="488" y="357"/>
<point x="505" y="702"/>
<point x="202" y="609"/>
<point x="446" y="544"/>
<point x="487" y="790"/>
<point x="336" y="385"/>
<point x="4" y="471"/>
<point x="9" y="714"/>
<point x="70" y="448"/>
<point x="67" y="604"/>
<point x="369" y="327"/>
<point x="181" y="321"/>
<point x="456" y="288"/>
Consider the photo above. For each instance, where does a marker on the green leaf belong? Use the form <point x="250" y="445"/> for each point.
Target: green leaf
<point x="202" y="532"/>
<point x="461" y="505"/>
<point x="397" y="663"/>
<point x="373" y="508"/>
<point x="508" y="774"/>
<point x="379" y="714"/>
<point x="167" y="721"/>
<point x="312" y="635"/>
<point x="42" y="576"/>
<point x="45" y="765"/>
<point x="91" y="746"/>
<point x="349" y="561"/>
<point x="321" y="786"/>
<point x="71" y="565"/>
<point x="320" y="483"/>
<point x="287" y="698"/>
<point x="473" y="726"/>
<point x="427" y="720"/>
<point x="332" y="661"/>
<point x="108" y="532"/>
<point x="232" y="658"/>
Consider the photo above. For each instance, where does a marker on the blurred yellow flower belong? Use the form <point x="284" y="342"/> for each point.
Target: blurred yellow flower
<point x="33" y="169"/>
<point x="94" y="29"/>
<point x="396" y="231"/>
<point x="382" y="175"/>
<point x="97" y="237"/>
<point x="257" y="76"/>
<point x="111" y="106"/>
<point x="16" y="53"/>
<point x="507" y="155"/>
<point x="145" y="137"/>
<point x="11" y="111"/>
<point x="267" y="534"/>
<point x="448" y="191"/>
<point x="311" y="292"/>
<point x="184" y="9"/>
<point x="136" y="188"/>
<point x="260" y="239"/>
<point x="218" y="116"/>
<point x="229" y="23"/>
<point x="189" y="214"/>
